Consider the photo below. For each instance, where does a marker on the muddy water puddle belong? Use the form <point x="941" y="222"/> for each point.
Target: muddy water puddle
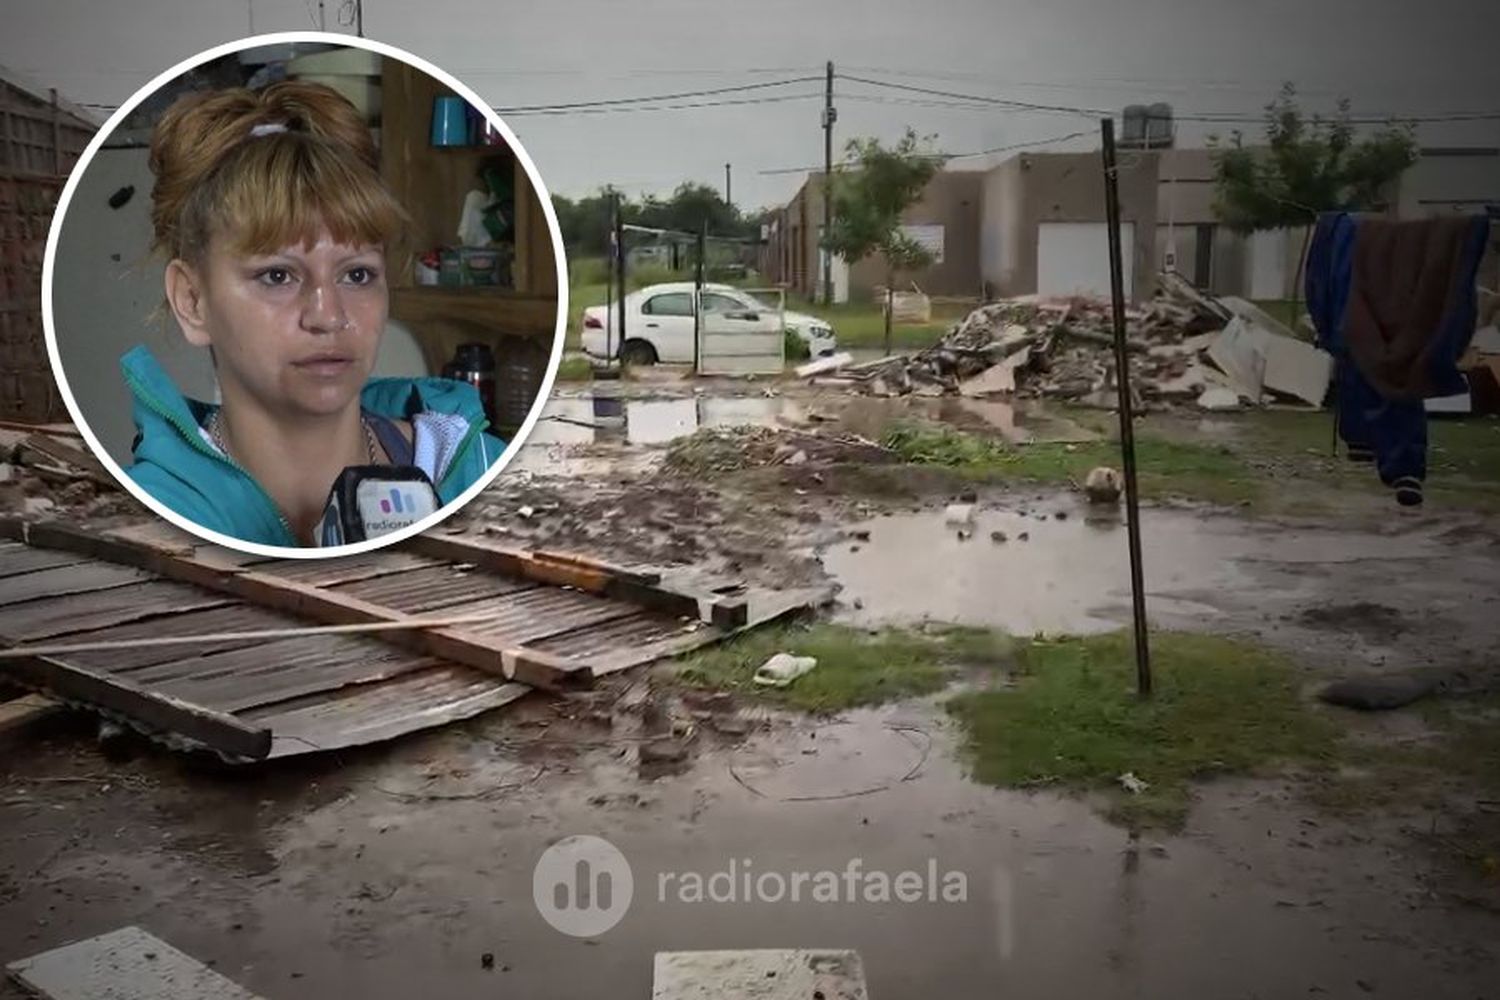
<point x="1054" y="564"/>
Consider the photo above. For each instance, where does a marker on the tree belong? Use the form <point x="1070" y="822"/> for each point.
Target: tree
<point x="868" y="201"/>
<point x="1308" y="165"/>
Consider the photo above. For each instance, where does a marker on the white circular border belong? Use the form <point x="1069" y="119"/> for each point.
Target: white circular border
<point x="300" y="552"/>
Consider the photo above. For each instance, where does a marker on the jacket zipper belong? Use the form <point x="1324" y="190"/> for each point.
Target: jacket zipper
<point x="197" y="444"/>
<point x="475" y="429"/>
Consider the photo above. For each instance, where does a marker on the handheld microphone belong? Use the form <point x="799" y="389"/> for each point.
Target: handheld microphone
<point x="368" y="501"/>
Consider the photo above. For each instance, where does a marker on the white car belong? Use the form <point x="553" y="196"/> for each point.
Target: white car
<point x="659" y="323"/>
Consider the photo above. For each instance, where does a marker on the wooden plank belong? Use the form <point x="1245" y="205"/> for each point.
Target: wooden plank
<point x="16" y="558"/>
<point x="74" y="682"/>
<point x="38" y="620"/>
<point x="562" y="570"/>
<point x="330" y="607"/>
<point x="61" y="581"/>
<point x="57" y="451"/>
<point x="19" y="713"/>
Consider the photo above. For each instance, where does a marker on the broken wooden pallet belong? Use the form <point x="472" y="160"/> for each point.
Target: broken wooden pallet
<point x="551" y="620"/>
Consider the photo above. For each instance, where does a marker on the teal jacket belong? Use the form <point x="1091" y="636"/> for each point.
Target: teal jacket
<point x="177" y="463"/>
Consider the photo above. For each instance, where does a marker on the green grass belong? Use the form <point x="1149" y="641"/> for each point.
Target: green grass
<point x="1166" y="468"/>
<point x="575" y="368"/>
<point x="862" y="324"/>
<point x="855" y="667"/>
<point x="1073" y="720"/>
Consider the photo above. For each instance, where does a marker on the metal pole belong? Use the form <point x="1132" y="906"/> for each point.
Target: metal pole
<point x="829" y="117"/>
<point x="1127" y="415"/>
<point x="359" y="18"/>
<point x="322" y="16"/>
<point x="620" y="275"/>
<point x="609" y="283"/>
<point x="698" y="297"/>
<point x="728" y="188"/>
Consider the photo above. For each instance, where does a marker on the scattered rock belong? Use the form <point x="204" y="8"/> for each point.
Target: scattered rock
<point x="1103" y="485"/>
<point x="997" y="536"/>
<point x="487" y="961"/>
<point x="1024" y="536"/>
<point x="663" y="751"/>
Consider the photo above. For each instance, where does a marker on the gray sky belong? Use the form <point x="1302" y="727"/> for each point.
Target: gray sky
<point x="1211" y="56"/>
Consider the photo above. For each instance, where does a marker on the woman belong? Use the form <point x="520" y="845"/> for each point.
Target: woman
<point x="280" y="235"/>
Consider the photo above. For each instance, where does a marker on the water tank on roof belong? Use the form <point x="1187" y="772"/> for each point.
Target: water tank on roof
<point x="1159" y="126"/>
<point x="1135" y="125"/>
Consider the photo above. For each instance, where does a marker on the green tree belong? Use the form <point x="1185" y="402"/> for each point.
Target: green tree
<point x="1308" y="165"/>
<point x="869" y="198"/>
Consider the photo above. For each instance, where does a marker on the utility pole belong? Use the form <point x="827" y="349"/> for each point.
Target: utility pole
<point x="1127" y="409"/>
<point x="359" y="18"/>
<point x="322" y="16"/>
<point x="829" y="117"/>
<point x="728" y="190"/>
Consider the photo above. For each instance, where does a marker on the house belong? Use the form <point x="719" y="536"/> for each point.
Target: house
<point x="946" y="219"/>
<point x="1035" y="224"/>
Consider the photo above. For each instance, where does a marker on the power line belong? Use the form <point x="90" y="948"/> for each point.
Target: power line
<point x="1454" y="116"/>
<point x="950" y="156"/>
<point x="714" y="92"/>
<point x="780" y="99"/>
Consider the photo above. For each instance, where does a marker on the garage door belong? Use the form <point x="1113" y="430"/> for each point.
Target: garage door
<point x="1073" y="258"/>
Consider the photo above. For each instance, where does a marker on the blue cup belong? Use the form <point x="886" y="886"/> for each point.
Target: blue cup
<point x="450" y="121"/>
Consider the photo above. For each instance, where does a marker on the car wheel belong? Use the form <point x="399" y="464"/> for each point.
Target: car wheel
<point x="637" y="352"/>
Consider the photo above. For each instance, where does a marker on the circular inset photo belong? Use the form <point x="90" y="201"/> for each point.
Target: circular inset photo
<point x="304" y="295"/>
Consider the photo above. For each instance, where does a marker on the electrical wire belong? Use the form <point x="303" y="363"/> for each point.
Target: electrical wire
<point x="713" y="92"/>
<point x="1454" y="116"/>
<point x="948" y="156"/>
<point x="662" y="107"/>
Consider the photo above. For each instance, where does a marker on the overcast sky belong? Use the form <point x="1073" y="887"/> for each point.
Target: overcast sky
<point x="1399" y="56"/>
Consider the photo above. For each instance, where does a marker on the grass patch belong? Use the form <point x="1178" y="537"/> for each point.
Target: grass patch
<point x="1166" y="467"/>
<point x="1219" y="707"/>
<point x="862" y="324"/>
<point x="855" y="667"/>
<point x="575" y="368"/>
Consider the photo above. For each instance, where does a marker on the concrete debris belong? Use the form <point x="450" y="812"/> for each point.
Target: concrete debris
<point x="1132" y="784"/>
<point x="823" y="366"/>
<point x="1179" y="345"/>
<point x="960" y="514"/>
<point x="1218" y="399"/>
<point x="1103" y="485"/>
<point x="783" y="668"/>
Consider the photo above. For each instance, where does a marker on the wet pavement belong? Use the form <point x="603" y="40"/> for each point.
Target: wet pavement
<point x="390" y="873"/>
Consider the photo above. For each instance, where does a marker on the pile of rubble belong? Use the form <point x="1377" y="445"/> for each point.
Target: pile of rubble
<point x="45" y="470"/>
<point x="1183" y="347"/>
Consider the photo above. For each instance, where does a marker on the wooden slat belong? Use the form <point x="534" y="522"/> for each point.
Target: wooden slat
<point x="61" y="581"/>
<point x="331" y="607"/>
<point x="216" y="730"/>
<point x="16" y="559"/>
<point x="38" y="620"/>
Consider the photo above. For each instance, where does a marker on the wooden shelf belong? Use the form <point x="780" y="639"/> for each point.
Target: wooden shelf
<point x="431" y="183"/>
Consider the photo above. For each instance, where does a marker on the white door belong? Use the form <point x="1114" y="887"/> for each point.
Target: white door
<point x="666" y="320"/>
<point x="1072" y="258"/>
<point x="740" y="336"/>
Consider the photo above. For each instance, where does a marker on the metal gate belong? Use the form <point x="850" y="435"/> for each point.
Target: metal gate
<point x="750" y="340"/>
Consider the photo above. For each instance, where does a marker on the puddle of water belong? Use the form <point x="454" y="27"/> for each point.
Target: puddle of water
<point x="1073" y="575"/>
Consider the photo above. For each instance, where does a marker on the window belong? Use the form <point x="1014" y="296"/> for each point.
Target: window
<point x="716" y="303"/>
<point x="668" y="304"/>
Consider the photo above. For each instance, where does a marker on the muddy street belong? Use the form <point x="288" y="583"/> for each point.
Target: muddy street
<point x="394" y="870"/>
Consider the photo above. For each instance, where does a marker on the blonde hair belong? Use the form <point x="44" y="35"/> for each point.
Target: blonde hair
<point x="268" y="169"/>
